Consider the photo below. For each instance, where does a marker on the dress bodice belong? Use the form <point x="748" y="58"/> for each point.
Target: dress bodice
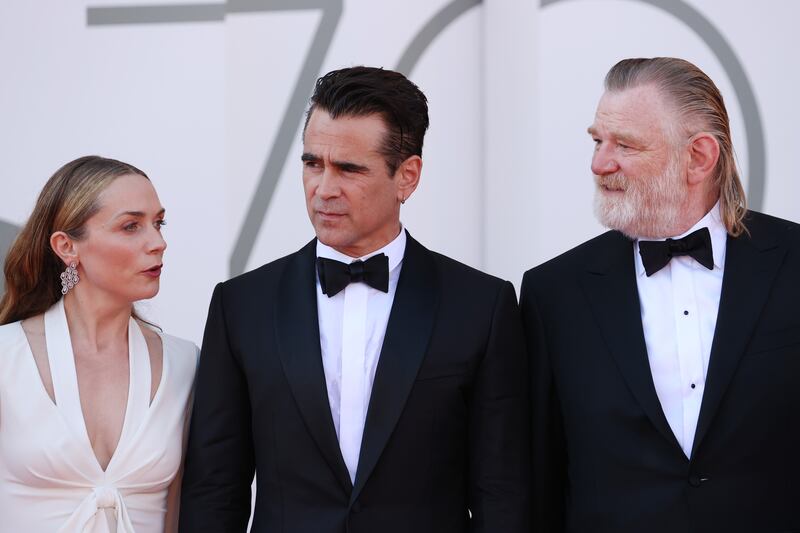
<point x="50" y="479"/>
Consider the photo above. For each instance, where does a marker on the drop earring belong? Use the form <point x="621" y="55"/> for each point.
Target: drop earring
<point x="69" y="278"/>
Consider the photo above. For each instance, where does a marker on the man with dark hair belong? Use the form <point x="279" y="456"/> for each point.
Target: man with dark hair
<point x="666" y="352"/>
<point x="372" y="385"/>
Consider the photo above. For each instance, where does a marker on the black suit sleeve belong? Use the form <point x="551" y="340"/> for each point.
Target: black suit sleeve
<point x="548" y="444"/>
<point x="499" y="423"/>
<point x="219" y="458"/>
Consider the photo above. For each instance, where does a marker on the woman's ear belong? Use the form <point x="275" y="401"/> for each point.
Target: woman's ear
<point x="64" y="247"/>
<point x="407" y="176"/>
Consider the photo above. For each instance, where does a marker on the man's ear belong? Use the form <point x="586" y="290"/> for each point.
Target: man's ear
<point x="407" y="177"/>
<point x="703" y="157"/>
<point x="64" y="247"/>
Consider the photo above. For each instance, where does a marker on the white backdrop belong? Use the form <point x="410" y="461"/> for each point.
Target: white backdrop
<point x="204" y="98"/>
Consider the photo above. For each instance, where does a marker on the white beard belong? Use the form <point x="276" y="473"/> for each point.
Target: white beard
<point x="649" y="207"/>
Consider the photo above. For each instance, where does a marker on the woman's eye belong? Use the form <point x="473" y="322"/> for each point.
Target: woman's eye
<point x="161" y="223"/>
<point x="133" y="226"/>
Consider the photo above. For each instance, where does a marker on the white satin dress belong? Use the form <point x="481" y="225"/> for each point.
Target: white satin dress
<point x="50" y="479"/>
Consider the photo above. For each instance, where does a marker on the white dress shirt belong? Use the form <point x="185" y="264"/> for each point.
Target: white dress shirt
<point x="352" y="325"/>
<point x="679" y="305"/>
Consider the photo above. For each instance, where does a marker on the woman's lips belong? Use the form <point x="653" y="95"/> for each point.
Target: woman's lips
<point x="153" y="272"/>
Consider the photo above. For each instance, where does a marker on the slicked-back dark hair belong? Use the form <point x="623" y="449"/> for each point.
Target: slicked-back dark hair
<point x="363" y="91"/>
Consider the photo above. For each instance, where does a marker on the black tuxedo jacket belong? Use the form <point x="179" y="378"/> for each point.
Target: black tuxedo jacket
<point x="446" y="428"/>
<point x="604" y="457"/>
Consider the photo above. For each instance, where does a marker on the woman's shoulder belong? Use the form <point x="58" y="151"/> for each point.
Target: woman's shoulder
<point x="13" y="345"/>
<point x="179" y="349"/>
<point x="11" y="334"/>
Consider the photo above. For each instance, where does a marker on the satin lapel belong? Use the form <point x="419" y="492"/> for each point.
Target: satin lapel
<point x="297" y="332"/>
<point x="404" y="346"/>
<point x="610" y="287"/>
<point x="750" y="270"/>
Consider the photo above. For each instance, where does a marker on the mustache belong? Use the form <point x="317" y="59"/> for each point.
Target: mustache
<point x="612" y="181"/>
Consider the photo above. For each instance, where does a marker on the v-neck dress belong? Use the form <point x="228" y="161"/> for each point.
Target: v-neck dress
<point x="50" y="479"/>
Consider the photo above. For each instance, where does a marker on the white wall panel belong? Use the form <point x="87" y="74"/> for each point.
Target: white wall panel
<point x="512" y="87"/>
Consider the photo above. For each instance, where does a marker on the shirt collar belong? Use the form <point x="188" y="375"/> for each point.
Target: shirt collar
<point x="719" y="238"/>
<point x="394" y="251"/>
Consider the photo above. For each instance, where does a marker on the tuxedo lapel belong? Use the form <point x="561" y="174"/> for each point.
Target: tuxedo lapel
<point x="404" y="346"/>
<point x="297" y="331"/>
<point x="610" y="288"/>
<point x="751" y="264"/>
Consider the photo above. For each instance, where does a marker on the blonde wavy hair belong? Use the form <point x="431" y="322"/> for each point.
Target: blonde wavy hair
<point x="67" y="201"/>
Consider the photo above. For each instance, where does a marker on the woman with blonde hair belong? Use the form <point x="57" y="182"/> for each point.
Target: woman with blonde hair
<point x="93" y="400"/>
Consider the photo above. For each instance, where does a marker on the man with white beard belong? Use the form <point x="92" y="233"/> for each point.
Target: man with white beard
<point x="666" y="352"/>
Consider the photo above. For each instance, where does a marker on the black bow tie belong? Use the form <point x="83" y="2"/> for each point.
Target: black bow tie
<point x="656" y="254"/>
<point x="335" y="275"/>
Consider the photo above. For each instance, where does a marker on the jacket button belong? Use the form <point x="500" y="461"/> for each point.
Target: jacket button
<point x="694" y="480"/>
<point x="356" y="508"/>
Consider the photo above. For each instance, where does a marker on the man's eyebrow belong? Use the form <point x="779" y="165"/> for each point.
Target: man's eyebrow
<point x="349" y="166"/>
<point x="625" y="137"/>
